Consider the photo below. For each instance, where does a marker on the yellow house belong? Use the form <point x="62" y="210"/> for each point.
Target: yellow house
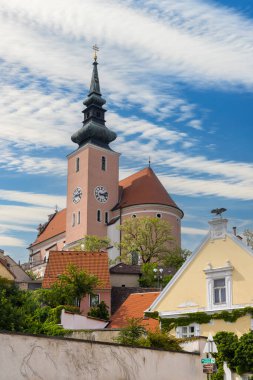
<point x="5" y="271"/>
<point x="213" y="290"/>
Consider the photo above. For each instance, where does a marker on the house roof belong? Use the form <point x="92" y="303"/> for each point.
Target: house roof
<point x="134" y="307"/>
<point x="92" y="262"/>
<point x="144" y="187"/>
<point x="55" y="226"/>
<point x="123" y="268"/>
<point x="17" y="270"/>
<point x="188" y="262"/>
<point x="6" y="265"/>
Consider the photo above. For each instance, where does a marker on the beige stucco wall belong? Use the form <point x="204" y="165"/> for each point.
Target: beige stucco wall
<point x="5" y="273"/>
<point x="191" y="287"/>
<point x="129" y="280"/>
<point x="31" y="357"/>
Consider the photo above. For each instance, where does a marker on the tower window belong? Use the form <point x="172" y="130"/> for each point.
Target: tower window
<point x="158" y="215"/>
<point x="98" y="114"/>
<point x="98" y="215"/>
<point x="73" y="219"/>
<point x="103" y="163"/>
<point x="77" y="164"/>
<point x="78" y="217"/>
<point x="106" y="217"/>
<point x="134" y="216"/>
<point x="87" y="115"/>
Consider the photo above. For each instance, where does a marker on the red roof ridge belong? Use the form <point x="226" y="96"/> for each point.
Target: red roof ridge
<point x="144" y="187"/>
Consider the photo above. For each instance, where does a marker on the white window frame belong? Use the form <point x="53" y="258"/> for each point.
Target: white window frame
<point x="94" y="295"/>
<point x="216" y="274"/>
<point x="181" y="334"/>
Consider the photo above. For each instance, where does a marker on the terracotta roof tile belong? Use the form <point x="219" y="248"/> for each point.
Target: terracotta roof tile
<point x="144" y="187"/>
<point x="56" y="226"/>
<point x="94" y="263"/>
<point x="134" y="307"/>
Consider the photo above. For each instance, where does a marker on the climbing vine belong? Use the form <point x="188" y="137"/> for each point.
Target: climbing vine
<point x="200" y="317"/>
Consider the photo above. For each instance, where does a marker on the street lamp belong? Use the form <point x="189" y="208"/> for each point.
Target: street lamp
<point x="158" y="275"/>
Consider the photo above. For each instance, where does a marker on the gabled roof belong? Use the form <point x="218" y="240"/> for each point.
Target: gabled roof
<point x="92" y="262"/>
<point x="6" y="265"/>
<point x="188" y="262"/>
<point x="134" y="307"/>
<point x="17" y="270"/>
<point x="54" y="227"/>
<point x="123" y="268"/>
<point x="144" y="187"/>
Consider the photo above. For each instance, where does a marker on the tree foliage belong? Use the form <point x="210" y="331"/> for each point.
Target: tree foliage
<point x="135" y="334"/>
<point x="249" y="237"/>
<point x="236" y="352"/>
<point x="75" y="284"/>
<point x="100" y="311"/>
<point x="176" y="258"/>
<point x="93" y="243"/>
<point x="149" y="237"/>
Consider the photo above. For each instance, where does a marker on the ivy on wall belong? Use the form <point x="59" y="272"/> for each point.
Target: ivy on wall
<point x="200" y="317"/>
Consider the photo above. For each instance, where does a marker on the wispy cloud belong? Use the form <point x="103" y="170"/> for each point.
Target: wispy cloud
<point x="38" y="199"/>
<point x="9" y="241"/>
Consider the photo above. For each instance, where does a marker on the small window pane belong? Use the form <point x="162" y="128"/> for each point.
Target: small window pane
<point x="78" y="217"/>
<point x="219" y="282"/>
<point x="223" y="295"/>
<point x="106" y="217"/>
<point x="103" y="164"/>
<point x="99" y="216"/>
<point x="94" y="300"/>
<point x="77" y="164"/>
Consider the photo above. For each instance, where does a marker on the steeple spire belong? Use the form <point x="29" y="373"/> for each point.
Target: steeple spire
<point x="94" y="129"/>
<point x="94" y="84"/>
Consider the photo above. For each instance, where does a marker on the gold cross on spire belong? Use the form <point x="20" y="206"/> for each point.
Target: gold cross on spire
<point x="95" y="48"/>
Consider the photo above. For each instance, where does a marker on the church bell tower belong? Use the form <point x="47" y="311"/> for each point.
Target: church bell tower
<point x="93" y="170"/>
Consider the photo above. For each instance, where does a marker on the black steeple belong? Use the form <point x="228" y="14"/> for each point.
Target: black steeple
<point x="94" y="129"/>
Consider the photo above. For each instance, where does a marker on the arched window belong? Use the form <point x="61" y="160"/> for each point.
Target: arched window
<point x="73" y="219"/>
<point x="106" y="217"/>
<point x="79" y="217"/>
<point x="98" y="215"/>
<point x="77" y="164"/>
<point x="103" y="163"/>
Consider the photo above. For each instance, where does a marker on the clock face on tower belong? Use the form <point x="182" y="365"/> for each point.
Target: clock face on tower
<point x="77" y="195"/>
<point x="101" y="194"/>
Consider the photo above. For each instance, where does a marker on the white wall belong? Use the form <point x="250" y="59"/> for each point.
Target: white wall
<point x="43" y="358"/>
<point x="80" y="322"/>
<point x="114" y="235"/>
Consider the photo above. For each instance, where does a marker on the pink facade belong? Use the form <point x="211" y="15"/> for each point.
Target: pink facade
<point x="104" y="295"/>
<point x="82" y="215"/>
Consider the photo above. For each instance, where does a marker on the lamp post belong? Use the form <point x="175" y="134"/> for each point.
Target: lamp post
<point x="158" y="275"/>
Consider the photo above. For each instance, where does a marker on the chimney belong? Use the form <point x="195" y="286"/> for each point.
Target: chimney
<point x="1" y="253"/>
<point x="234" y="230"/>
<point x="218" y="228"/>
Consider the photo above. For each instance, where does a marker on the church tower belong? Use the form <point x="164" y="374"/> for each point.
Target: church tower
<point x="93" y="170"/>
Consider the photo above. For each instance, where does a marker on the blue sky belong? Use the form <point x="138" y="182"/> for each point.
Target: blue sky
<point x="178" y="80"/>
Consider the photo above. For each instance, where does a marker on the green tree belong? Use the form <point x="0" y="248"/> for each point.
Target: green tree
<point x="75" y="284"/>
<point x="92" y="243"/>
<point x="132" y="333"/>
<point x="244" y="354"/>
<point x="149" y="237"/>
<point x="249" y="237"/>
<point x="176" y="257"/>
<point x="147" y="279"/>
<point x="161" y="339"/>
<point x="100" y="311"/>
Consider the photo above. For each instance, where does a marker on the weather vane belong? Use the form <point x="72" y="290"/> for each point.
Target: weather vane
<point x="218" y="211"/>
<point x="149" y="162"/>
<point x="95" y="48"/>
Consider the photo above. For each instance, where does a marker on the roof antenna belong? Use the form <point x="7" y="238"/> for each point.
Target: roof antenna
<point x="149" y="162"/>
<point x="56" y="209"/>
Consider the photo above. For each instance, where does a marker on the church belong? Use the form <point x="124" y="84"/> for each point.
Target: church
<point x="97" y="202"/>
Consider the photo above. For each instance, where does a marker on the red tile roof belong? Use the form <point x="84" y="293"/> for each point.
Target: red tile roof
<point x="144" y="187"/>
<point x="55" y="226"/>
<point x="92" y="262"/>
<point x="134" y="307"/>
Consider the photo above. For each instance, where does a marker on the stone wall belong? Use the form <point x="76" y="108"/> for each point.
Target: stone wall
<point x="43" y="358"/>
